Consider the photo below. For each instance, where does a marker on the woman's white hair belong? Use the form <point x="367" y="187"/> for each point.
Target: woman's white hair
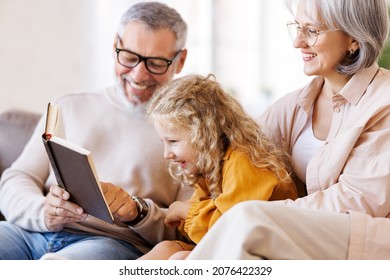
<point x="366" y="21"/>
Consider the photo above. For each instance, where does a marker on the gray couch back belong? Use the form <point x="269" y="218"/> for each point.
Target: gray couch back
<point x="16" y="127"/>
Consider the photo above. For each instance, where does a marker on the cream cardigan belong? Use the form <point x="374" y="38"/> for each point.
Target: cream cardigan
<point x="352" y="170"/>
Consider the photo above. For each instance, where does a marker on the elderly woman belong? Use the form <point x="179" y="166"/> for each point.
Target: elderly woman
<point x="337" y="130"/>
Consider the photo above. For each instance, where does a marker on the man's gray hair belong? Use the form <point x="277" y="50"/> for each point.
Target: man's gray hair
<point x="156" y="16"/>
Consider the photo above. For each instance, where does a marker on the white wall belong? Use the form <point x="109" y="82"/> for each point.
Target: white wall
<point x="52" y="47"/>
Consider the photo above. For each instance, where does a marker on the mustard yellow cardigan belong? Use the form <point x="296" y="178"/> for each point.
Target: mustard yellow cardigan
<point x="241" y="181"/>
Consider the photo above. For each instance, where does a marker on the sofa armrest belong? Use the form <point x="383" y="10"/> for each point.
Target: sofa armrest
<point x="16" y="128"/>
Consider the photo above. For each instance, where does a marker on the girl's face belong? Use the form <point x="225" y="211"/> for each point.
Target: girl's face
<point x="178" y="147"/>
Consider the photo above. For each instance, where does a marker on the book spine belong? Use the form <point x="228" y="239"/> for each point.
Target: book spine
<point x="46" y="143"/>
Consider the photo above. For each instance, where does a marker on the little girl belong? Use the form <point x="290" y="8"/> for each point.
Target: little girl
<point x="217" y="148"/>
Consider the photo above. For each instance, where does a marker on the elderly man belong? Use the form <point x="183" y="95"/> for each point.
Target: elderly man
<point x="149" y="49"/>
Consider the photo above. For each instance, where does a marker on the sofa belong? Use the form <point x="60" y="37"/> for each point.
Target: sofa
<point x="16" y="127"/>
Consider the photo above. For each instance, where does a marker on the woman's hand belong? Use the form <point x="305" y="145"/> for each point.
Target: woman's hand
<point x="59" y="211"/>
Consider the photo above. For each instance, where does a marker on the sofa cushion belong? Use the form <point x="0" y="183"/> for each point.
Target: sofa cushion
<point x="16" y="127"/>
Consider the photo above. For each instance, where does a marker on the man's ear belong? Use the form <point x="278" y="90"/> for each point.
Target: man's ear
<point x="115" y="44"/>
<point x="182" y="59"/>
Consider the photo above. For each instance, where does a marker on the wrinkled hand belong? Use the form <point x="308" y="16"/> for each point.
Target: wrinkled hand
<point x="122" y="206"/>
<point x="59" y="211"/>
<point x="177" y="212"/>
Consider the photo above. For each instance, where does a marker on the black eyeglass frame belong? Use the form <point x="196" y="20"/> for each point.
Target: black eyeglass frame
<point x="145" y="60"/>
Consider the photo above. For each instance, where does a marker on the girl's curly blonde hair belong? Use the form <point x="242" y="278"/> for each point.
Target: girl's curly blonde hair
<point x="215" y="120"/>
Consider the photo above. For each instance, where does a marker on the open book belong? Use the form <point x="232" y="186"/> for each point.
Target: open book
<point x="74" y="169"/>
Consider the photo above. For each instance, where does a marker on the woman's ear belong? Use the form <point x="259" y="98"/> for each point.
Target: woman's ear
<point x="353" y="45"/>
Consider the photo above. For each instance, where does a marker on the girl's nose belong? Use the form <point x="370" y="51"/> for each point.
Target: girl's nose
<point x="168" y="154"/>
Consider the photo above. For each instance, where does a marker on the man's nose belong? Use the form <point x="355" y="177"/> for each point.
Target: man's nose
<point x="140" y="72"/>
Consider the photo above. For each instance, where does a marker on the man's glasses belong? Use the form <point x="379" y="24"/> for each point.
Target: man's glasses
<point x="155" y="65"/>
<point x="309" y="33"/>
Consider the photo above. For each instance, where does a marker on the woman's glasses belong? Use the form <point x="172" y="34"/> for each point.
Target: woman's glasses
<point x="309" y="33"/>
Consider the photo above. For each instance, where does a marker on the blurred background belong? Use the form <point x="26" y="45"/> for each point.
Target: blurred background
<point x="53" y="47"/>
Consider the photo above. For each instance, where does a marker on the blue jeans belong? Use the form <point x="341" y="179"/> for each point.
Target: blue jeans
<point x="19" y="244"/>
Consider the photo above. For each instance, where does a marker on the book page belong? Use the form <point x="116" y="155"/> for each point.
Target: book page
<point x="52" y="120"/>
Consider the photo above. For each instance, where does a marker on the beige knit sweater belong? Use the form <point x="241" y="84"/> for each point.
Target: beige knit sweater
<point x="126" y="151"/>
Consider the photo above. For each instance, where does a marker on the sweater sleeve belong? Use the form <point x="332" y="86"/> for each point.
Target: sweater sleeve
<point x="241" y="181"/>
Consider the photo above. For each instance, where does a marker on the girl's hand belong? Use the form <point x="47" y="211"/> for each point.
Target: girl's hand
<point x="177" y="212"/>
